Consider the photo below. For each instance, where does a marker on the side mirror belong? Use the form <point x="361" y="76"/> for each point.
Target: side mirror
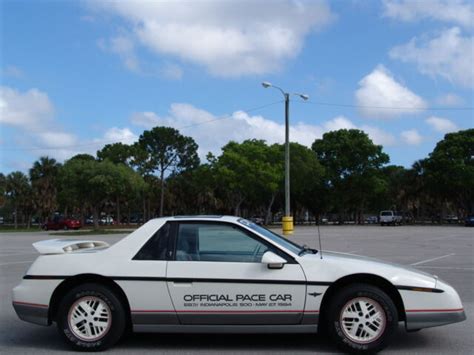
<point x="273" y="261"/>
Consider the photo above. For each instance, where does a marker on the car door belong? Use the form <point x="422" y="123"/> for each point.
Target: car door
<point x="216" y="277"/>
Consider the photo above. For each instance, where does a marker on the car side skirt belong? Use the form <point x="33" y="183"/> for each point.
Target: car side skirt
<point x="226" y="329"/>
<point x="418" y="319"/>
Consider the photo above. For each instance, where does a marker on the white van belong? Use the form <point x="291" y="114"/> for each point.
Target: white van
<point x="390" y="217"/>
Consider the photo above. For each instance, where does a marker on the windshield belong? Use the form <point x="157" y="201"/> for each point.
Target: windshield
<point x="386" y="213"/>
<point x="283" y="242"/>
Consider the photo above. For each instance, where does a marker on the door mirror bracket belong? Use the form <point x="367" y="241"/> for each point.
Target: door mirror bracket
<point x="273" y="261"/>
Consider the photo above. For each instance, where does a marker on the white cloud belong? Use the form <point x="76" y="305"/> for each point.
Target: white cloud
<point x="339" y="122"/>
<point x="381" y="96"/>
<point x="212" y="132"/>
<point x="411" y="137"/>
<point x="54" y="139"/>
<point x="459" y="12"/>
<point x="442" y="125"/>
<point x="28" y="110"/>
<point x="123" y="135"/>
<point x="31" y="114"/>
<point x="125" y="48"/>
<point x="379" y="136"/>
<point x="449" y="100"/>
<point x="449" y="55"/>
<point x="228" y="38"/>
<point x="145" y="119"/>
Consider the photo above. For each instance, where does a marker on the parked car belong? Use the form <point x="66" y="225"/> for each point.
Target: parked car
<point x="469" y="221"/>
<point x="106" y="220"/>
<point x="372" y="220"/>
<point x="390" y="218"/>
<point x="223" y="274"/>
<point x="451" y="219"/>
<point x="62" y="223"/>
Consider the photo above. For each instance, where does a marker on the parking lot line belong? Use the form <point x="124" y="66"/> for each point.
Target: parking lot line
<point x="432" y="259"/>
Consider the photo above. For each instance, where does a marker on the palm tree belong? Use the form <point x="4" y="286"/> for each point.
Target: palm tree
<point x="44" y="181"/>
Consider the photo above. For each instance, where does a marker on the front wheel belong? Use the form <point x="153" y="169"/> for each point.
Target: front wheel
<point x="91" y="318"/>
<point x="362" y="319"/>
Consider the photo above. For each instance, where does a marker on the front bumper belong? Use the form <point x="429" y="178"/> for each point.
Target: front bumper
<point x="32" y="312"/>
<point x="425" y="310"/>
<point x="428" y="319"/>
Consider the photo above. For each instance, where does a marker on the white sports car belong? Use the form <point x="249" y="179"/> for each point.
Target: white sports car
<point x="224" y="274"/>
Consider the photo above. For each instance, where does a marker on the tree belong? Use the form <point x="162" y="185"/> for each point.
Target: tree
<point x="94" y="183"/>
<point x="250" y="171"/>
<point x="163" y="150"/>
<point x="44" y="182"/>
<point x="449" y="170"/>
<point x="128" y="186"/>
<point x="83" y="156"/>
<point x="18" y="192"/>
<point x="306" y="179"/>
<point x="117" y="153"/>
<point x="193" y="191"/>
<point x="3" y="187"/>
<point x="352" y="163"/>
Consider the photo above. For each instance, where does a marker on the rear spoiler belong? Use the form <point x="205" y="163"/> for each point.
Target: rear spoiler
<point x="63" y="246"/>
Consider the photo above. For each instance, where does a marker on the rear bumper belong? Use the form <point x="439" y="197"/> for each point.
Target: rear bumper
<point x="427" y="319"/>
<point x="32" y="312"/>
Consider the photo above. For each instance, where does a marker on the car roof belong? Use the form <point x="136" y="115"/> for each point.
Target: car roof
<point x="221" y="218"/>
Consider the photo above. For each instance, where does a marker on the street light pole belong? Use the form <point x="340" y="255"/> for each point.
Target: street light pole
<point x="287" y="220"/>
<point x="287" y="156"/>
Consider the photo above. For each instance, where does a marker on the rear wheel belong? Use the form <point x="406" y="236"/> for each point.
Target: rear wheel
<point x="362" y="319"/>
<point x="91" y="317"/>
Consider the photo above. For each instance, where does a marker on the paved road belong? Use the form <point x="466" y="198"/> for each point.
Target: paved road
<point x="445" y="251"/>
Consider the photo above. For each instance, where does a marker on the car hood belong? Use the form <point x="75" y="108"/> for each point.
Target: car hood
<point x="337" y="265"/>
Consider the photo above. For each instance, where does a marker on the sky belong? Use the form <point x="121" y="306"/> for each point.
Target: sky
<point x="76" y="75"/>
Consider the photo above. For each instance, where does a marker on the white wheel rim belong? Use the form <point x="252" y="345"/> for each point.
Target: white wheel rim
<point x="89" y="318"/>
<point x="363" y="320"/>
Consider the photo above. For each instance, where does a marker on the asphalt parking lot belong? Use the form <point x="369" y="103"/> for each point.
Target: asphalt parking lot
<point x="445" y="251"/>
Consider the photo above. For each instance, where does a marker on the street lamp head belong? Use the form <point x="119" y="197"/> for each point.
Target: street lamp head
<point x="304" y="96"/>
<point x="266" y="84"/>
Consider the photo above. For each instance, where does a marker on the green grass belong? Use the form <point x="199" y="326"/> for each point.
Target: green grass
<point x="10" y="229"/>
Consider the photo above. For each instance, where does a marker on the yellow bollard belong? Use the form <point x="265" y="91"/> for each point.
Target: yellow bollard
<point x="287" y="223"/>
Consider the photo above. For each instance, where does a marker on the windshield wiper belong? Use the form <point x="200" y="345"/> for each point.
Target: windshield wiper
<point x="305" y="249"/>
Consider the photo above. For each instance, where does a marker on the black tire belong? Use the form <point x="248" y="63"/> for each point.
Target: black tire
<point x="113" y="332"/>
<point x="338" y="331"/>
<point x="65" y="228"/>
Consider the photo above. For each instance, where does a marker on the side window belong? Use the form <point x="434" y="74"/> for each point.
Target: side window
<point x="217" y="242"/>
<point x="155" y="248"/>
